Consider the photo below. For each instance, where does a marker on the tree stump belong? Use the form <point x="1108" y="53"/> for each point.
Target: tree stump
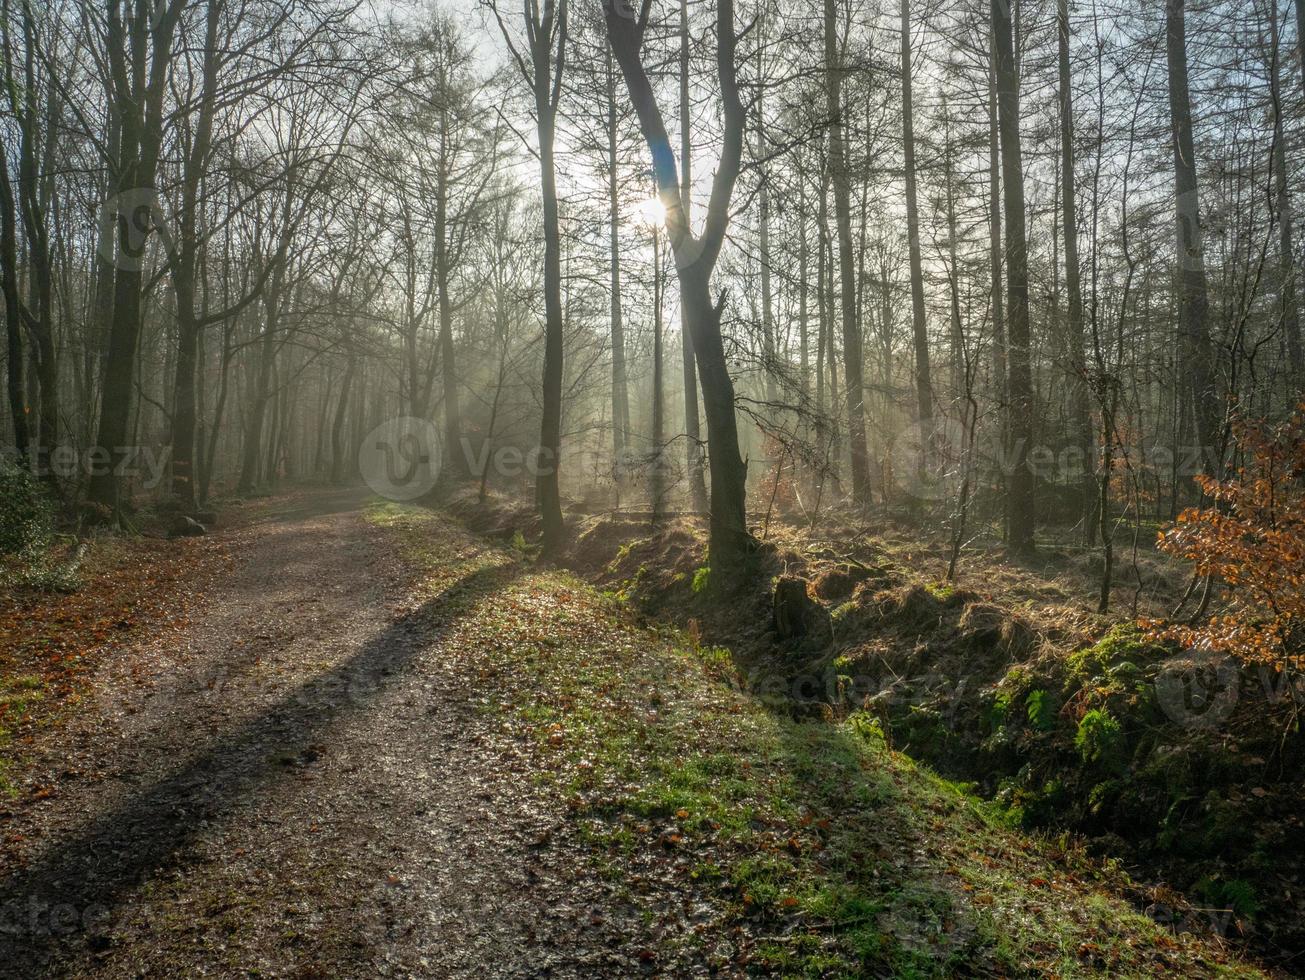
<point x="797" y="615"/>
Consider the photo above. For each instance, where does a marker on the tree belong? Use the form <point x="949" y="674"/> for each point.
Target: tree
<point x="546" y="36"/>
<point x="1197" y="355"/>
<point x="854" y="388"/>
<point x="695" y="259"/>
<point x="1019" y="489"/>
<point x="919" y="332"/>
<point x="138" y="43"/>
<point x="1253" y="543"/>
<point x="1076" y="363"/>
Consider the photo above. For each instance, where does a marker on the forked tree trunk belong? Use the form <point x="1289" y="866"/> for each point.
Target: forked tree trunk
<point x="695" y="259"/>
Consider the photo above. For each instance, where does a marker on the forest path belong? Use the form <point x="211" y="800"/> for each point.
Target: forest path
<point x="382" y="746"/>
<point x="298" y="782"/>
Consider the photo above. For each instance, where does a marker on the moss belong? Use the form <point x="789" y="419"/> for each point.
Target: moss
<point x="1120" y="650"/>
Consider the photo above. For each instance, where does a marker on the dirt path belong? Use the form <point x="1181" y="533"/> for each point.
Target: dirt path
<point x="299" y="783"/>
<point x="380" y="746"/>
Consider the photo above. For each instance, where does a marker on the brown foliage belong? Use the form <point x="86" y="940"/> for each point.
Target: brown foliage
<point x="1253" y="541"/>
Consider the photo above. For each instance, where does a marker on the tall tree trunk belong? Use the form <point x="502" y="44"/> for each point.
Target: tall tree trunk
<point x="767" y="298"/>
<point x="919" y="333"/>
<point x="804" y="292"/>
<point x="338" y="452"/>
<point x="620" y="388"/>
<point x="854" y="389"/>
<point x="1193" y="300"/>
<point x="1286" y="250"/>
<point x="456" y="467"/>
<point x="547" y="486"/>
<point x="16" y="387"/>
<point x="692" y="421"/>
<point x="1074" y="336"/>
<point x="219" y="408"/>
<point x="184" y="264"/>
<point x="658" y="481"/>
<point x="136" y="89"/>
<point x="35" y="171"/>
<point x="695" y="260"/>
<point x="455" y="460"/>
<point x="995" y="238"/>
<point x="249" y="472"/>
<point x="1020" y="516"/>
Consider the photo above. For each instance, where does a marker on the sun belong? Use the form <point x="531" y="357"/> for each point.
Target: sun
<point x="652" y="212"/>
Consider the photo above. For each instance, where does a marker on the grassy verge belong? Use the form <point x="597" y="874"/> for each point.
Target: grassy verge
<point x="810" y="844"/>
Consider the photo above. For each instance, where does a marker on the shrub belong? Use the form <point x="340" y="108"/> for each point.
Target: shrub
<point x="26" y="512"/>
<point x="1253" y="541"/>
<point x="701" y="580"/>
<point x="1099" y="738"/>
<point x="1040" y="713"/>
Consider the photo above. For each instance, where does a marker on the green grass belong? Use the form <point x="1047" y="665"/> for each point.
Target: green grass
<point x="836" y="855"/>
<point x="17" y="696"/>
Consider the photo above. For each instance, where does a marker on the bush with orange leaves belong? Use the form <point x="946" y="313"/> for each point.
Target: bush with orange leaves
<point x="1253" y="542"/>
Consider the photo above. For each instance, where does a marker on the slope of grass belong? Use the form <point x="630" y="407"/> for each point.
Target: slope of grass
<point x="799" y="848"/>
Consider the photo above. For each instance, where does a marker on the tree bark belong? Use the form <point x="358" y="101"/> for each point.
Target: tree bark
<point x="1193" y="300"/>
<point x="1286" y="249"/>
<point x="995" y="238"/>
<point x="692" y="420"/>
<point x="695" y="259"/>
<point x="919" y="332"/>
<point x="16" y="387"/>
<point x="1020" y="516"/>
<point x="1074" y="336"/>
<point x="620" y="389"/>
<point x="137" y="91"/>
<point x="854" y="389"/>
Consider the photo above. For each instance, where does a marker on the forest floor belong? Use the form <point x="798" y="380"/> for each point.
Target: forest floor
<point x="349" y="739"/>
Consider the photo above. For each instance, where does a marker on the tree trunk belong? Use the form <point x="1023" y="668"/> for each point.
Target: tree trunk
<point x="550" y="432"/>
<point x="769" y="365"/>
<point x="1076" y="360"/>
<point x="620" y="390"/>
<point x="658" y="481"/>
<point x="136" y="90"/>
<point x="692" y="420"/>
<point x="337" y="426"/>
<point x="1019" y="491"/>
<point x="16" y="387"/>
<point x="1193" y="301"/>
<point x="854" y="389"/>
<point x="1286" y="249"/>
<point x="994" y="238"/>
<point x="923" y="380"/>
<point x="249" y="475"/>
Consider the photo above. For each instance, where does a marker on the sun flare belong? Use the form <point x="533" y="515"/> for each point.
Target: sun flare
<point x="652" y="212"/>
